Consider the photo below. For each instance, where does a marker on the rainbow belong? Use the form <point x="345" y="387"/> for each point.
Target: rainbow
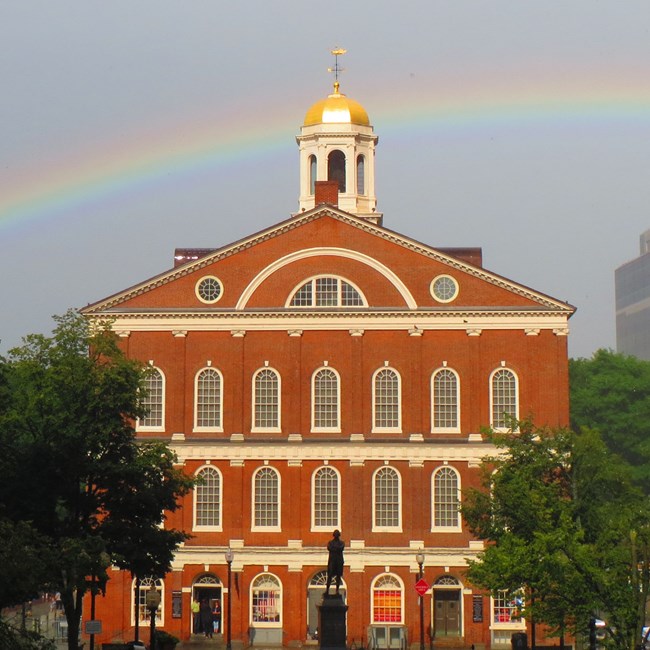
<point x="164" y="155"/>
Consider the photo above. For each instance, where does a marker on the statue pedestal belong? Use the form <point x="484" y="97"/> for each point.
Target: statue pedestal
<point x="332" y="629"/>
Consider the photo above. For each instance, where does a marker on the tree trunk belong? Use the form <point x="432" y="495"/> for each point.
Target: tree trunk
<point x="72" y="602"/>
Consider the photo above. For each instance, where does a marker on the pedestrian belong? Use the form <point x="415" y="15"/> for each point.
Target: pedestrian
<point x="196" y="618"/>
<point x="205" y="613"/>
<point x="216" y="616"/>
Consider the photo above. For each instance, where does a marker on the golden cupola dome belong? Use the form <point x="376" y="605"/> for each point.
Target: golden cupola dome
<point x="336" y="109"/>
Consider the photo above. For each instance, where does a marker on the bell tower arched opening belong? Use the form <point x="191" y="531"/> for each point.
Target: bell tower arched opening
<point x="336" y="168"/>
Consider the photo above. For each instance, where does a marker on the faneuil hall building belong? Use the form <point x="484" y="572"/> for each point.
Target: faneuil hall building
<point x="330" y="373"/>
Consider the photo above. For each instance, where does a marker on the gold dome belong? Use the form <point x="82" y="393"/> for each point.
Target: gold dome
<point x="337" y="109"/>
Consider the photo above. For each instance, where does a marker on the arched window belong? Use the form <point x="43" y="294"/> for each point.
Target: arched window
<point x="207" y="499"/>
<point x="140" y="601"/>
<point x="312" y="174"/>
<point x="336" y="168"/>
<point x="326" y="499"/>
<point x="387" y="515"/>
<point x="266" y="601"/>
<point x="361" y="174"/>
<point x="208" y="411"/>
<point x="326" y="291"/>
<point x="153" y="400"/>
<point x="387" y="599"/>
<point x="266" y="499"/>
<point x="326" y="399"/>
<point x="266" y="400"/>
<point x="386" y="401"/>
<point x="446" y="499"/>
<point x="504" y="398"/>
<point x="445" y="401"/>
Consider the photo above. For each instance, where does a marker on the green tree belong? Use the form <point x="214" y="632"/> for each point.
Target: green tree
<point x="611" y="393"/>
<point x="70" y="464"/>
<point x="564" y="523"/>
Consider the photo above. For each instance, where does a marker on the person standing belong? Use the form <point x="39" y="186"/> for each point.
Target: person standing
<point x="216" y="616"/>
<point x="205" y="613"/>
<point x="196" y="619"/>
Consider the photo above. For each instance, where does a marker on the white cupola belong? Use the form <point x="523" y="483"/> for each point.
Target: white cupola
<point x="337" y="142"/>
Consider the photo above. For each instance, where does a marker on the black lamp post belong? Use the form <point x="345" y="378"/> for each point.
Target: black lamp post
<point x="229" y="558"/>
<point x="104" y="561"/>
<point x="153" y="602"/>
<point x="419" y="558"/>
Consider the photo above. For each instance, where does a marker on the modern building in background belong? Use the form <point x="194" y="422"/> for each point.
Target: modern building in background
<point x="632" y="286"/>
<point x="329" y="373"/>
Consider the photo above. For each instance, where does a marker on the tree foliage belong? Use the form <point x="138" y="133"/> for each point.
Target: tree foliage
<point x="611" y="393"/>
<point x="565" y="523"/>
<point x="71" y="467"/>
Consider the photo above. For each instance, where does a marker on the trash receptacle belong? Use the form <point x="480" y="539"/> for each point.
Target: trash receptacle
<point x="519" y="641"/>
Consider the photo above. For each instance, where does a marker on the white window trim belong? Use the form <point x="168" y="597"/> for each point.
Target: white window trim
<point x="398" y="428"/>
<point x="314" y="527"/>
<point x="457" y="428"/>
<point x="198" y="284"/>
<point x="514" y="626"/>
<point x="313" y="279"/>
<point x="516" y="416"/>
<point x="262" y="624"/>
<point x="387" y="529"/>
<point x="196" y="427"/>
<point x="201" y="528"/>
<point x="314" y="428"/>
<point x="145" y="428"/>
<point x="372" y="599"/>
<point x="277" y="429"/>
<point x="267" y="529"/>
<point x="135" y="607"/>
<point x="458" y="528"/>
<point x="444" y="300"/>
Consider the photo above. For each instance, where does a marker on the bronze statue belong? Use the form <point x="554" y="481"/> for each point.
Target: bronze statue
<point x="335" y="561"/>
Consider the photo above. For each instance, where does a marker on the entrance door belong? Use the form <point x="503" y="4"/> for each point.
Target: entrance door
<point x="211" y="594"/>
<point x="447" y="612"/>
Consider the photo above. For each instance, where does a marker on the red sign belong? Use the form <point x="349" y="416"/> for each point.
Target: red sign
<point x="422" y="586"/>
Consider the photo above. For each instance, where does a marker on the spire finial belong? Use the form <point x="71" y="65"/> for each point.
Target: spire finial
<point x="337" y="52"/>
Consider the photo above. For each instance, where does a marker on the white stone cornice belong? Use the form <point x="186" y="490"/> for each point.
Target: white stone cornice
<point x="179" y="333"/>
<point x="355" y="322"/>
<point x="356" y="454"/>
<point x="358" y="556"/>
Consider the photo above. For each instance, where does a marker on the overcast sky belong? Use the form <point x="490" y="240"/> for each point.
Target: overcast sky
<point x="131" y="127"/>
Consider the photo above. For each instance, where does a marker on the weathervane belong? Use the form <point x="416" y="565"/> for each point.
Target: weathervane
<point x="337" y="52"/>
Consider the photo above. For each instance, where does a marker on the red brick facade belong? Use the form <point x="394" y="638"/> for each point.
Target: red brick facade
<point x="490" y="324"/>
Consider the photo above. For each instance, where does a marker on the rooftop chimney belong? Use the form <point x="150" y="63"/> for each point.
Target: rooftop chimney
<point x="326" y="192"/>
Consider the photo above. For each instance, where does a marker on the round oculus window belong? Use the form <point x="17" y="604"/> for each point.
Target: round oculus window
<point x="444" y="288"/>
<point x="208" y="289"/>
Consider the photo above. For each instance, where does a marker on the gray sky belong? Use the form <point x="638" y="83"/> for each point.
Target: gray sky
<point x="132" y="127"/>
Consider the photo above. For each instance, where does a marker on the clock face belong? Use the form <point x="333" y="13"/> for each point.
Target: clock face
<point x="444" y="288"/>
<point x="209" y="289"/>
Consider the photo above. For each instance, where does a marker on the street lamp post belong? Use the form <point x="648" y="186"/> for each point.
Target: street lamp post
<point x="229" y="559"/>
<point x="419" y="558"/>
<point x="153" y="602"/>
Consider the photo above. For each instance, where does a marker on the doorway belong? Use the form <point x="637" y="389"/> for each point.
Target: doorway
<point x="446" y="612"/>
<point x="207" y="590"/>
